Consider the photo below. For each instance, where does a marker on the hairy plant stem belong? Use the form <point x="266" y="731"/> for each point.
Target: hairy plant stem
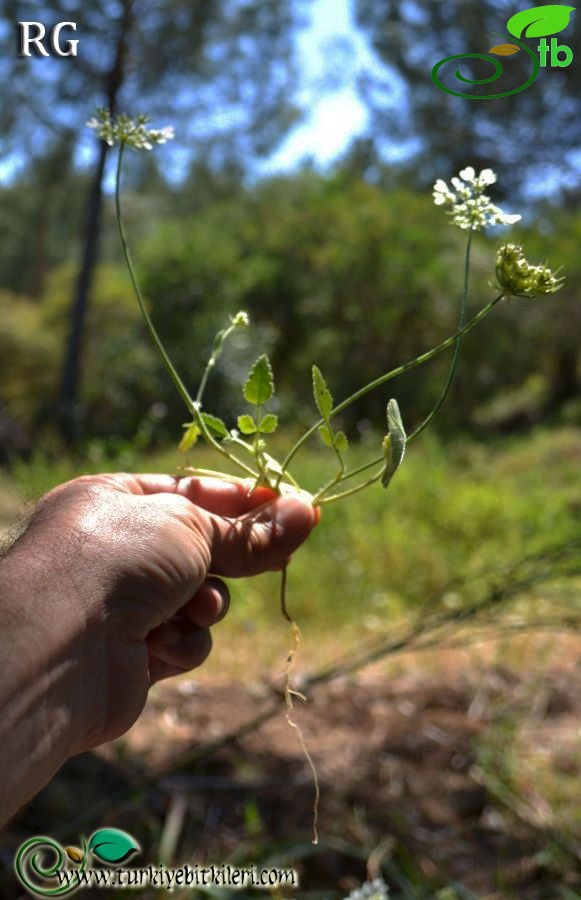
<point x="388" y="376"/>
<point x="192" y="406"/>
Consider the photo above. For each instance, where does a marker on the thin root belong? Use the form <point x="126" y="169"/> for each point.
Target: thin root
<point x="290" y="692"/>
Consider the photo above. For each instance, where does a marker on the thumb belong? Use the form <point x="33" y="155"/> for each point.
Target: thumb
<point x="260" y="540"/>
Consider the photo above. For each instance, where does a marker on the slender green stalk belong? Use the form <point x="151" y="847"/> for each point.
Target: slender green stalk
<point x="183" y="391"/>
<point x="388" y="376"/>
<point x="193" y="406"/>
<point x="216" y="353"/>
<point x="319" y="499"/>
<point x="364" y="468"/>
<point x="452" y="372"/>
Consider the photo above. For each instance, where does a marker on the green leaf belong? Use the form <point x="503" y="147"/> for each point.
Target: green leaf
<point x="112" y="845"/>
<point x="259" y="387"/>
<point x="190" y="437"/>
<point x="272" y="465"/>
<point x="326" y="435"/>
<point x="215" y="425"/>
<point x="322" y="394"/>
<point x="341" y="442"/>
<point x="271" y="472"/>
<point x="394" y="443"/>
<point x="268" y="424"/>
<point x="247" y="425"/>
<point x="540" y="21"/>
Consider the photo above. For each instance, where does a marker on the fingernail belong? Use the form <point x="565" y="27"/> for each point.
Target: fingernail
<point x="171" y="635"/>
<point x="317" y="511"/>
<point x="262" y="494"/>
<point x="221" y="611"/>
<point x="223" y="597"/>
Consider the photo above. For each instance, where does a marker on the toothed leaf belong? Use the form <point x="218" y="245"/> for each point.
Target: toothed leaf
<point x="215" y="425"/>
<point x="247" y="425"/>
<point x="326" y="435"/>
<point x="394" y="443"/>
<point x="268" y="424"/>
<point x="322" y="394"/>
<point x="259" y="387"/>
<point x="341" y="442"/>
<point x="190" y="437"/>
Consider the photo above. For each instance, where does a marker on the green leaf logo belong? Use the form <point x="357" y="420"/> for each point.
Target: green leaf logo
<point x="540" y="21"/>
<point x="111" y="845"/>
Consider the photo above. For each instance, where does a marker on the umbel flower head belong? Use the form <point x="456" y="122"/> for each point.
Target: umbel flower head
<point x="468" y="205"/>
<point x="123" y="129"/>
<point x="240" y="320"/>
<point x="518" y="278"/>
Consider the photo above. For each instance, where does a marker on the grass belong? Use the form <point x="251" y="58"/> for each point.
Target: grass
<point x="452" y="511"/>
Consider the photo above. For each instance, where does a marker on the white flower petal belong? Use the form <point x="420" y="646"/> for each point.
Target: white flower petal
<point x="468" y="174"/>
<point x="486" y="177"/>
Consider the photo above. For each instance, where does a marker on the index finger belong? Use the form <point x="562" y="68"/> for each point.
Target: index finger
<point x="224" y="498"/>
<point x="231" y="498"/>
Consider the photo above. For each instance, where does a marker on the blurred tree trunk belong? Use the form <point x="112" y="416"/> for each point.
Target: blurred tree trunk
<point x="565" y="379"/>
<point x="72" y="368"/>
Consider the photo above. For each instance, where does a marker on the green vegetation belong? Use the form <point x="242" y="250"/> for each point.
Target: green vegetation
<point x="454" y="510"/>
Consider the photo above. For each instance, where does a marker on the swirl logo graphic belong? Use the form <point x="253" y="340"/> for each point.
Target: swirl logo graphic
<point x="540" y="21"/>
<point x="40" y="861"/>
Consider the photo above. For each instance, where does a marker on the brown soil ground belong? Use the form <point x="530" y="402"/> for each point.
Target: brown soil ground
<point x="458" y="775"/>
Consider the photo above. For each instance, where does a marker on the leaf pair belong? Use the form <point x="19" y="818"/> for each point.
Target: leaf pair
<point x="259" y="389"/>
<point x="324" y="403"/>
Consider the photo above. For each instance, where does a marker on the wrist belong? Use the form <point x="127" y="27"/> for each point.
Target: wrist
<point x="43" y="690"/>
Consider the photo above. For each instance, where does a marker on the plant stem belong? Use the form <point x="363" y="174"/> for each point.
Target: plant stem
<point x="319" y="499"/>
<point x="150" y="326"/>
<point x="452" y="372"/>
<point x="193" y="406"/>
<point x="216" y="351"/>
<point x="388" y="376"/>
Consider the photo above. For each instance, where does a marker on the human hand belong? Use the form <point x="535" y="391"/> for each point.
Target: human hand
<point x="120" y="577"/>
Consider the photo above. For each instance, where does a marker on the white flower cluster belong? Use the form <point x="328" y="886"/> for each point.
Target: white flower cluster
<point x="123" y="129"/>
<point x="517" y="277"/>
<point x="469" y="207"/>
<point x="240" y="320"/>
<point x="371" y="890"/>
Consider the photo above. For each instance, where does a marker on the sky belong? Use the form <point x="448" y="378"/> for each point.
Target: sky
<point x="329" y="46"/>
<point x="330" y="52"/>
